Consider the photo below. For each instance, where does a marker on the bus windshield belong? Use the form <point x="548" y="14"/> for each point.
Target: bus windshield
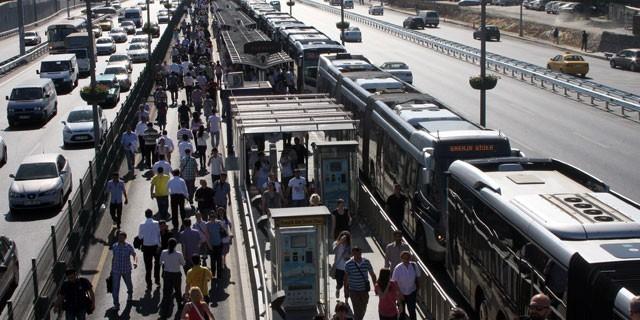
<point x="59" y="33"/>
<point x="54" y="66"/>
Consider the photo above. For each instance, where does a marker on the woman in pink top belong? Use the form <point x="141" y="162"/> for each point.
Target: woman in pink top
<point x="388" y="292"/>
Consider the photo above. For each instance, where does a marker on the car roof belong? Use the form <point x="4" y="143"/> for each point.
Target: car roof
<point x="60" y="57"/>
<point x="82" y="108"/>
<point x="39" y="158"/>
<point x="33" y="83"/>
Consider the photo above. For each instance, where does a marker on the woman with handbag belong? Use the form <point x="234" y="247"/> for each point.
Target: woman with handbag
<point x="196" y="309"/>
<point x="342" y="253"/>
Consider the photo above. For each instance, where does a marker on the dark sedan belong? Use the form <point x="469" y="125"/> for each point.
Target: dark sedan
<point x="492" y="33"/>
<point x="626" y="59"/>
<point x="9" y="273"/>
<point x="414" y="22"/>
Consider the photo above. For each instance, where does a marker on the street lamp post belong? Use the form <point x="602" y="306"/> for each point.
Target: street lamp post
<point x="148" y="32"/>
<point x="520" y="31"/>
<point x="342" y="21"/>
<point x="21" y="26"/>
<point x="483" y="62"/>
<point x="68" y="10"/>
<point x="92" y="72"/>
<point x="290" y="4"/>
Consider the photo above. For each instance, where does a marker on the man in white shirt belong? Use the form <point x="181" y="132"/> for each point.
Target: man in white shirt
<point x="161" y="163"/>
<point x="184" y="145"/>
<point x="178" y="192"/>
<point x="406" y="275"/>
<point x="184" y="130"/>
<point x="149" y="232"/>
<point x="172" y="262"/>
<point x="216" y="165"/>
<point x="213" y="122"/>
<point x="298" y="190"/>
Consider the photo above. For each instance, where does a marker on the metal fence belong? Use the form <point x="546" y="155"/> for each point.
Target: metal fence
<point x="69" y="237"/>
<point x="35" y="11"/>
<point x="584" y="90"/>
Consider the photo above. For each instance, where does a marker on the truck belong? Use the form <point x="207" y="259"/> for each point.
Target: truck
<point x="80" y="43"/>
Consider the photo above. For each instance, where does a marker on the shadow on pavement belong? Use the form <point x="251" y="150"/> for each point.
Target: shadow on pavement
<point x="31" y="215"/>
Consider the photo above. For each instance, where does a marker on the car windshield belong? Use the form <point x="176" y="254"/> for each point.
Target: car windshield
<point x="127" y="23"/>
<point x="115" y="70"/>
<point x="137" y="46"/>
<point x="163" y="12"/>
<point x="30" y="34"/>
<point x="80" y="116"/>
<point x="36" y="171"/>
<point x="492" y="28"/>
<point x="26" y="94"/>
<point x="54" y="66"/>
<point x="80" y="53"/>
<point x="105" y="40"/>
<point x="395" y="66"/>
<point x="116" y="30"/>
<point x="573" y="58"/>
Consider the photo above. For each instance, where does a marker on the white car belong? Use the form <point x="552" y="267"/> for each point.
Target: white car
<point x="120" y="59"/>
<point x="79" y="126"/>
<point x="138" y="52"/>
<point x="3" y="152"/>
<point x="42" y="181"/>
<point x="140" y="38"/>
<point x="122" y="75"/>
<point x="399" y="69"/>
<point x="352" y="34"/>
<point x="32" y="38"/>
<point x="128" y="26"/>
<point x="105" y="45"/>
<point x="118" y="35"/>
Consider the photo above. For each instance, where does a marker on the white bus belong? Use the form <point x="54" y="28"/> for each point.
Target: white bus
<point x="519" y="226"/>
<point x="57" y="32"/>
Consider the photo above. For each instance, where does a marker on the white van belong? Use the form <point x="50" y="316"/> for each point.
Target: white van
<point x="62" y="69"/>
<point x="430" y="18"/>
<point x="34" y="100"/>
<point x="133" y="14"/>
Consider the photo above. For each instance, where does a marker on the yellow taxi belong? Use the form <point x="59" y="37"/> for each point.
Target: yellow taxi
<point x="569" y="63"/>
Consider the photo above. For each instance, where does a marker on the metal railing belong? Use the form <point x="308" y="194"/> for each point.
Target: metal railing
<point x="80" y="218"/>
<point x="431" y="297"/>
<point x="567" y="85"/>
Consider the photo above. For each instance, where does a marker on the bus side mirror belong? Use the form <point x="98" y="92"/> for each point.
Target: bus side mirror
<point x="425" y="176"/>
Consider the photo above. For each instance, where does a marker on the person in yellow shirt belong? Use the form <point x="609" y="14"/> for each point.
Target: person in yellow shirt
<point x="198" y="276"/>
<point x="160" y="192"/>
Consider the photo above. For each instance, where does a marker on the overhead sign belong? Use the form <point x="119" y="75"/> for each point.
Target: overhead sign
<point x="257" y="47"/>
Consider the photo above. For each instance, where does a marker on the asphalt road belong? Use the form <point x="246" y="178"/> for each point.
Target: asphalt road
<point x="527" y="51"/>
<point x="540" y="123"/>
<point x="30" y="230"/>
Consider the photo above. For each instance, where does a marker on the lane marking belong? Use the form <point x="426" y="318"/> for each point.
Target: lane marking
<point x="602" y="145"/>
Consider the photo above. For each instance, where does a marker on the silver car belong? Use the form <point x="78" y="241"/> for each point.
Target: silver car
<point x="31" y="38"/>
<point x="105" y="45"/>
<point x="128" y="26"/>
<point x="138" y="52"/>
<point x="118" y="35"/>
<point x="78" y="129"/>
<point x="399" y="69"/>
<point x="120" y="59"/>
<point x="122" y="75"/>
<point x="42" y="181"/>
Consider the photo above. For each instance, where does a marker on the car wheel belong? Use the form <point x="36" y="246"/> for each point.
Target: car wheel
<point x="612" y="64"/>
<point x="498" y="39"/>
<point x="12" y="123"/>
<point x="634" y="67"/>
<point x="65" y="145"/>
<point x="61" y="203"/>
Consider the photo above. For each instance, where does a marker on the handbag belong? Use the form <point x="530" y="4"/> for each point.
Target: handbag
<point x="137" y="242"/>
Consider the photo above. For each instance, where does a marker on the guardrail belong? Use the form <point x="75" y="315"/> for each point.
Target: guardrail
<point x="32" y="300"/>
<point x="11" y="32"/>
<point x="33" y="53"/>
<point x="533" y="74"/>
<point x="431" y="297"/>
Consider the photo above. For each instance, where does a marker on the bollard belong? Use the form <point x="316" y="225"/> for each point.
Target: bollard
<point x="54" y="243"/>
<point x="553" y="87"/>
<point x="34" y="273"/>
<point x="81" y="195"/>
<point x="606" y="105"/>
<point x="578" y="96"/>
<point x="70" y="217"/>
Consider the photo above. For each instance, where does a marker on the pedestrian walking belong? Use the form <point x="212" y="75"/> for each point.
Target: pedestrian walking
<point x="388" y="293"/>
<point x="140" y="128"/>
<point x="164" y="149"/>
<point x="216" y="165"/>
<point x="117" y="191"/>
<point x="218" y="70"/>
<point x="342" y="254"/>
<point x="142" y="115"/>
<point x="172" y="262"/>
<point x="121" y="268"/>
<point x="585" y="41"/>
<point x="184" y="114"/>
<point x="394" y="249"/>
<point x="201" y="226"/>
<point x="340" y="219"/>
<point x="189" y="83"/>
<point x="76" y="297"/>
<point x="395" y="205"/>
<point x="556" y="35"/>
<point x="271" y="198"/>
<point x="539" y="308"/>
<point x="198" y="277"/>
<point x="356" y="283"/>
<point x="149" y="233"/>
<point x="161" y="163"/>
<point x="204" y="197"/>
<point x="185" y="144"/>
<point x="189" y="172"/>
<point x="169" y="145"/>
<point x="216" y="233"/>
<point x="201" y="138"/>
<point x="150" y="136"/>
<point x="197" y="96"/>
<point x="208" y="106"/>
<point x="297" y="190"/>
<point x="129" y="142"/>
<point x="196" y="309"/>
<point x="459" y="314"/>
<point x="160" y="192"/>
<point x="173" y="86"/>
<point x="222" y="192"/>
<point x="190" y="239"/>
<point x="228" y="235"/>
<point x="179" y="192"/>
<point x="406" y="274"/>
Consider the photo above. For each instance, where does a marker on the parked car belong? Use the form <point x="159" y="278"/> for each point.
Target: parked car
<point x="42" y="181"/>
<point x="413" y="22"/>
<point x="128" y="26"/>
<point x="9" y="268"/>
<point x="553" y="7"/>
<point x="398" y="69"/>
<point x="32" y="38"/>
<point x="352" y="34"/>
<point x="78" y="128"/>
<point x="376" y="10"/>
<point x="538" y="5"/>
<point x="113" y="95"/>
<point x="626" y="59"/>
<point x="105" y="46"/>
<point x="492" y="32"/>
<point x="118" y="35"/>
<point x="163" y="16"/>
<point x="3" y="152"/>
<point x="569" y="63"/>
<point x="106" y="25"/>
<point x="430" y="18"/>
<point x="120" y="59"/>
<point x="468" y="3"/>
<point x="122" y="75"/>
<point x="576" y="8"/>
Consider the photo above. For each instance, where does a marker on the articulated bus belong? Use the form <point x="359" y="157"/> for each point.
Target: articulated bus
<point x="521" y="226"/>
<point x="57" y="32"/>
<point x="406" y="137"/>
<point x="306" y="58"/>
